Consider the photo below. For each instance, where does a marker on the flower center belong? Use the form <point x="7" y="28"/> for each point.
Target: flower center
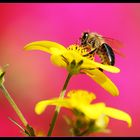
<point x="82" y="51"/>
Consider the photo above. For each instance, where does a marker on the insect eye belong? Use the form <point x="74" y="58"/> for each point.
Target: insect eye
<point x="85" y="35"/>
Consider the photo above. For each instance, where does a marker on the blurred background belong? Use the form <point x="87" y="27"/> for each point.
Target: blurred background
<point x="32" y="77"/>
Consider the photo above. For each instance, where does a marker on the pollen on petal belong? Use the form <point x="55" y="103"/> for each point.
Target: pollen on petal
<point x="77" y="49"/>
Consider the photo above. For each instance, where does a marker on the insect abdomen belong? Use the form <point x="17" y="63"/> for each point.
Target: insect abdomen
<point x="106" y="54"/>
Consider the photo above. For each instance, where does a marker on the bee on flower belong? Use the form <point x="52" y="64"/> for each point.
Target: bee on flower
<point x="72" y="59"/>
<point x="76" y="61"/>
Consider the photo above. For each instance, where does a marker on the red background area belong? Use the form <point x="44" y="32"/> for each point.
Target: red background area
<point x="31" y="76"/>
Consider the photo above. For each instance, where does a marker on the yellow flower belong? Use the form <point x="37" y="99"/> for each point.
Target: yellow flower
<point x="73" y="59"/>
<point x="80" y="102"/>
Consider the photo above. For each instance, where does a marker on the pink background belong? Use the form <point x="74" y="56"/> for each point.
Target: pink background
<point x="31" y="77"/>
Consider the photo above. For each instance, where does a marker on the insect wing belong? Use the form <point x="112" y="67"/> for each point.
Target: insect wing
<point x="115" y="45"/>
<point x="118" y="52"/>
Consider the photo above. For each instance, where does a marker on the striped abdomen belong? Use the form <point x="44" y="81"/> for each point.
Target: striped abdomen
<point x="106" y="54"/>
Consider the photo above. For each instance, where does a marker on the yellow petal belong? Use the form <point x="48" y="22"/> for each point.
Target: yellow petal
<point x="66" y="58"/>
<point x="71" y="55"/>
<point x="92" y="64"/>
<point x="58" y="61"/>
<point x="103" y="81"/>
<point x="93" y="111"/>
<point x="102" y="121"/>
<point x="46" y="46"/>
<point x="82" y="96"/>
<point x="42" y="105"/>
<point x="118" y="114"/>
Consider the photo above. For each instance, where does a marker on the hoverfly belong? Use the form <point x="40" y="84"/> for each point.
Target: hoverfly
<point x="102" y="46"/>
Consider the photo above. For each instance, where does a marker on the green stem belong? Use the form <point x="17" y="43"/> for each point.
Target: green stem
<point x="57" y="109"/>
<point x="13" y="104"/>
<point x="83" y="133"/>
<point x="30" y="130"/>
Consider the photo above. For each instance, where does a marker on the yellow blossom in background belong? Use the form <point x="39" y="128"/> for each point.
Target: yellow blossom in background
<point x="79" y="101"/>
<point x="73" y="59"/>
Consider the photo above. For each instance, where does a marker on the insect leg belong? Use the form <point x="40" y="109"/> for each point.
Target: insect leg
<point x="91" y="52"/>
